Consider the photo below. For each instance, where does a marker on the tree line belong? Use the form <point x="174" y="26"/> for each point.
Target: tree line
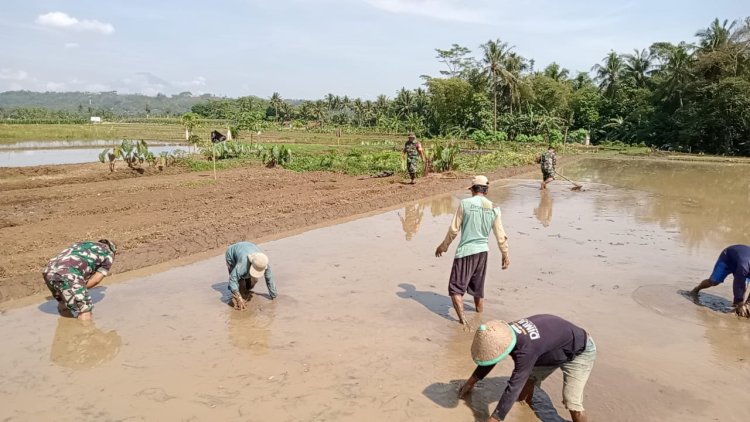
<point x="691" y="96"/>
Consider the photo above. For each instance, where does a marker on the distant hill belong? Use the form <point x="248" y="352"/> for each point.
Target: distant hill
<point x="112" y="102"/>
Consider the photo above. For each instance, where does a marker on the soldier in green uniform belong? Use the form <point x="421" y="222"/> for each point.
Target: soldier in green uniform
<point x="548" y="161"/>
<point x="413" y="151"/>
<point x="73" y="271"/>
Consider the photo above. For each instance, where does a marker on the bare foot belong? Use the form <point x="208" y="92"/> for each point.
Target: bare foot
<point x="84" y="316"/>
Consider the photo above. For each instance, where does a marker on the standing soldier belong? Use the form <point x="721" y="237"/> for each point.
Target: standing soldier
<point x="74" y="271"/>
<point x="413" y="150"/>
<point x="548" y="161"/>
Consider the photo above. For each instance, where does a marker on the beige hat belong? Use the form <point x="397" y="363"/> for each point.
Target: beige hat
<point x="258" y="264"/>
<point x="479" y="181"/>
<point x="493" y="341"/>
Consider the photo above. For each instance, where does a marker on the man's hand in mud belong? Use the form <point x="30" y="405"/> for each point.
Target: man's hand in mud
<point x="506" y="262"/>
<point x="743" y="310"/>
<point x="439" y="251"/>
<point x="238" y="303"/>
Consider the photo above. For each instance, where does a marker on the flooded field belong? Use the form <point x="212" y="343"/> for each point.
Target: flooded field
<point x="38" y="153"/>
<point x="363" y="327"/>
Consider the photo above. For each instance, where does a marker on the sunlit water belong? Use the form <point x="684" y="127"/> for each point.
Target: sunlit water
<point x="363" y="328"/>
<point x="37" y="153"/>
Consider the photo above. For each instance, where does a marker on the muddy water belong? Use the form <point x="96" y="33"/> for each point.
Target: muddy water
<point x="363" y="328"/>
<point x="37" y="153"/>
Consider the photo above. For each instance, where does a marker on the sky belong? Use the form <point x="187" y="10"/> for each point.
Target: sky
<point x="304" y="49"/>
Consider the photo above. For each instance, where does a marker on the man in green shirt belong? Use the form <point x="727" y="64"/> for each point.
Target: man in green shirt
<point x="475" y="218"/>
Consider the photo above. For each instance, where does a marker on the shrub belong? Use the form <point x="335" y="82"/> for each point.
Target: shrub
<point x="278" y="155"/>
<point x="578" y="135"/>
<point x="443" y="157"/>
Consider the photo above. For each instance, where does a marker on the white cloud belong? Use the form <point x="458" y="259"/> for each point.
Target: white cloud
<point x="13" y="75"/>
<point x="71" y="45"/>
<point x="197" y="81"/>
<point x="448" y="10"/>
<point x="64" y="21"/>
<point x="56" y="86"/>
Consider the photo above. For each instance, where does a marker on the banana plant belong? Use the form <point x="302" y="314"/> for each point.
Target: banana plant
<point x="109" y="155"/>
<point x="278" y="155"/>
<point x="443" y="157"/>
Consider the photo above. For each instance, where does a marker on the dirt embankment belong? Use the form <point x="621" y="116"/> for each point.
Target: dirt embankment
<point x="164" y="216"/>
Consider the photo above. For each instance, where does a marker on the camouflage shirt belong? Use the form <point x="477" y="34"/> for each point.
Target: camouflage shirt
<point x="411" y="148"/>
<point x="82" y="259"/>
<point x="549" y="161"/>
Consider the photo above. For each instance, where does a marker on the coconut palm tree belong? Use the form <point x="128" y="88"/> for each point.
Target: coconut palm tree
<point x="638" y="67"/>
<point x="404" y="102"/>
<point x="557" y="73"/>
<point x="514" y="64"/>
<point x="677" y="69"/>
<point x="609" y="74"/>
<point x="276" y="103"/>
<point x="717" y="35"/>
<point x="494" y="59"/>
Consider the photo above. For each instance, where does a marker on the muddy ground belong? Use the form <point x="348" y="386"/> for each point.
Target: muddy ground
<point x="159" y="217"/>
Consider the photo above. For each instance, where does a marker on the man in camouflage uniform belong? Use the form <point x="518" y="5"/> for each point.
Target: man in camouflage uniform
<point x="548" y="160"/>
<point x="73" y="271"/>
<point x="413" y="151"/>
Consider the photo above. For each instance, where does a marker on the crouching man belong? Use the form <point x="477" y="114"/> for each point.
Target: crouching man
<point x="246" y="264"/>
<point x="74" y="271"/>
<point x="538" y="345"/>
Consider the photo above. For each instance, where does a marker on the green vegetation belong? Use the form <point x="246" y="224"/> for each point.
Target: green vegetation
<point x="685" y="97"/>
<point x="134" y="154"/>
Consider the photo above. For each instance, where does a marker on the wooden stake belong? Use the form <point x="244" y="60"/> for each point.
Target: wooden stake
<point x="213" y="150"/>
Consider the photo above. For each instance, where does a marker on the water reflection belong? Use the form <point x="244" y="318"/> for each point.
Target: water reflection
<point x="707" y="202"/>
<point x="411" y="219"/>
<point x="441" y="206"/>
<point x="250" y="329"/>
<point x="80" y="345"/>
<point x="728" y="335"/>
<point x="51" y="156"/>
<point x="543" y="211"/>
<point x="74" y="143"/>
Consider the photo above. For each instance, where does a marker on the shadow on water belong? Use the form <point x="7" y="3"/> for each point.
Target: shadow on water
<point x="434" y="302"/>
<point x="50" y="306"/>
<point x="80" y="345"/>
<point x="707" y="300"/>
<point x="485" y="392"/>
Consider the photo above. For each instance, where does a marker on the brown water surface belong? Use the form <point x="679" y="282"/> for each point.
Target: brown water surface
<point x="363" y="329"/>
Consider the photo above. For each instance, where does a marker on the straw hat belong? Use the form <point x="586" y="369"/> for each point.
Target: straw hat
<point x="493" y="341"/>
<point x="258" y="264"/>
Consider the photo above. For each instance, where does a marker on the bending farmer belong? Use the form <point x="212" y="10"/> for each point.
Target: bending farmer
<point x="73" y="271"/>
<point x="246" y="264"/>
<point x="733" y="260"/>
<point x="475" y="217"/>
<point x="538" y="345"/>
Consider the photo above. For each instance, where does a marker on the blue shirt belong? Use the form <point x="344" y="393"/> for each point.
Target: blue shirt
<point x="238" y="264"/>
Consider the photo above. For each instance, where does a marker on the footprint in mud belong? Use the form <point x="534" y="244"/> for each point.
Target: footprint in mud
<point x="679" y="304"/>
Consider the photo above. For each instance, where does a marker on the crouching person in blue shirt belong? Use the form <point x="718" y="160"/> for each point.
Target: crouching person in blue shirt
<point x="539" y="345"/>
<point x="734" y="260"/>
<point x="246" y="264"/>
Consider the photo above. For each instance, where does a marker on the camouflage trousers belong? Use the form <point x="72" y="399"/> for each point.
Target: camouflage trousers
<point x="70" y="290"/>
<point x="411" y="165"/>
